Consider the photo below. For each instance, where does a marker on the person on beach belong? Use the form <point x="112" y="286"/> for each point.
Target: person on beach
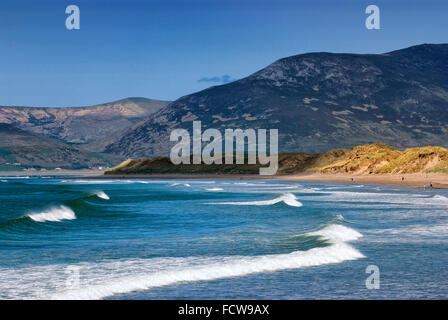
<point x="430" y="185"/>
<point x="402" y="179"/>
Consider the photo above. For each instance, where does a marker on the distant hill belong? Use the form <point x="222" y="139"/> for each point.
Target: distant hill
<point x="20" y="149"/>
<point x="367" y="159"/>
<point x="318" y="101"/>
<point x="81" y="125"/>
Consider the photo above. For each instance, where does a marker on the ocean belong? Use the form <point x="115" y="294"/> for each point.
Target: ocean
<point x="220" y="239"/>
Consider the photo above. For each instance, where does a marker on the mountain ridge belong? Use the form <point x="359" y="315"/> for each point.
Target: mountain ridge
<point x="80" y="125"/>
<point x="318" y="101"/>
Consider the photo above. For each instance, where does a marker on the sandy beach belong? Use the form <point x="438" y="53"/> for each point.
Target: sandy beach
<point x="419" y="180"/>
<point x="416" y="180"/>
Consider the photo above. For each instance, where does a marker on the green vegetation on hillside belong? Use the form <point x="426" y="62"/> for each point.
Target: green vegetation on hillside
<point x="20" y="149"/>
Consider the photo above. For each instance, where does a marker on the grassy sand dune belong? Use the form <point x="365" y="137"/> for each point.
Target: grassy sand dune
<point x="375" y="158"/>
<point x="380" y="159"/>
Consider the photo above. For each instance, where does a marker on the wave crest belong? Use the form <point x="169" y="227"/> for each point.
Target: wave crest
<point x="222" y="267"/>
<point x="288" y="198"/>
<point x="102" y="195"/>
<point x="337" y="233"/>
<point x="53" y="214"/>
<point x="441" y="198"/>
<point x="215" y="189"/>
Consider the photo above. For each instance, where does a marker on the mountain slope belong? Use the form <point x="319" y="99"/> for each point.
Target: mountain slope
<point x="21" y="149"/>
<point x="318" y="101"/>
<point x="81" y="124"/>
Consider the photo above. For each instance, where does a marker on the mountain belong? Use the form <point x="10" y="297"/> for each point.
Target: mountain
<point x="377" y="158"/>
<point x="318" y="101"/>
<point x="21" y="149"/>
<point x="81" y="125"/>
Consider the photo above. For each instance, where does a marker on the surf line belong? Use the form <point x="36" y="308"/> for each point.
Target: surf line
<point x="181" y="152"/>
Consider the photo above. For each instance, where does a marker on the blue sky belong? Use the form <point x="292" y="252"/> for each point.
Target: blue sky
<point x="165" y="49"/>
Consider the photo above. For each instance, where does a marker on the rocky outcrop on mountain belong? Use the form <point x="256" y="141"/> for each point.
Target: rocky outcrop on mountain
<point x="20" y="149"/>
<point x="317" y="101"/>
<point x="81" y="125"/>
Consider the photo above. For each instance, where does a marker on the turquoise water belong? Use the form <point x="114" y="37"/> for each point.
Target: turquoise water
<point x="219" y="239"/>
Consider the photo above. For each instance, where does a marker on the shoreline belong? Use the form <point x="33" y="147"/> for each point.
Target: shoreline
<point x="414" y="180"/>
<point x="411" y="180"/>
<point x="63" y="172"/>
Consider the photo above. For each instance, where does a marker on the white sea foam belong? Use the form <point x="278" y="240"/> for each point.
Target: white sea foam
<point x="15" y="177"/>
<point x="206" y="269"/>
<point x="435" y="231"/>
<point x="102" y="195"/>
<point x="109" y="181"/>
<point x="189" y="183"/>
<point x="337" y="233"/>
<point x="54" y="214"/>
<point x="245" y="184"/>
<point x="215" y="189"/>
<point x="90" y="181"/>
<point x="276" y="190"/>
<point x="380" y="198"/>
<point x="440" y="198"/>
<point x="288" y="198"/>
<point x="106" y="278"/>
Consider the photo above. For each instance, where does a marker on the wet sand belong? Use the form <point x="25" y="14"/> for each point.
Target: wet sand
<point x="419" y="180"/>
<point x="416" y="180"/>
<point x="63" y="172"/>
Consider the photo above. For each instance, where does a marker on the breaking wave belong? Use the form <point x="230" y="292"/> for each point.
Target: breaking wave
<point x="337" y="233"/>
<point x="54" y="214"/>
<point x="440" y="198"/>
<point x="215" y="189"/>
<point x="288" y="198"/>
<point x="186" y="270"/>
<point x="102" y="195"/>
